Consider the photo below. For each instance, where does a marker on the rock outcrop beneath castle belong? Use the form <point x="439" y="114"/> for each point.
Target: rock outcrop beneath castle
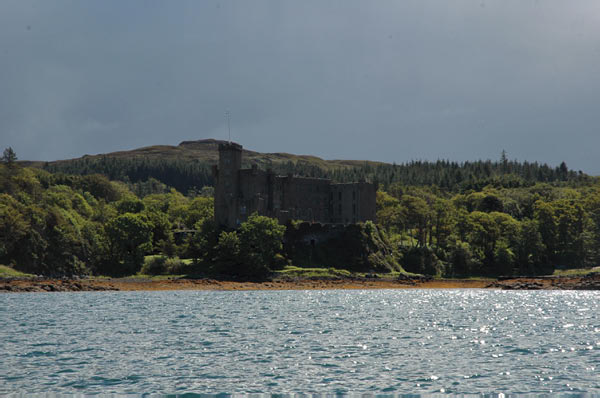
<point x="241" y="192"/>
<point x="354" y="247"/>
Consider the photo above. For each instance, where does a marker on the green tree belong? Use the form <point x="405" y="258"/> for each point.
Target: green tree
<point x="9" y="157"/>
<point x="229" y="259"/>
<point x="101" y="187"/>
<point x="65" y="252"/>
<point x="201" y="246"/>
<point x="199" y="209"/>
<point x="95" y="246"/>
<point x="417" y="217"/>
<point x="482" y="236"/>
<point x="531" y="252"/>
<point x="443" y="221"/>
<point x="421" y="260"/>
<point x="162" y="234"/>
<point x="392" y="218"/>
<point x="491" y="203"/>
<point x="390" y="215"/>
<point x="250" y="251"/>
<point x="547" y="224"/>
<point x="562" y="225"/>
<point x="488" y="232"/>
<point x="504" y="161"/>
<point x="261" y="238"/>
<point x="592" y="206"/>
<point x="572" y="222"/>
<point x="13" y="227"/>
<point x="130" y="238"/>
<point x="461" y="258"/>
<point x="130" y="204"/>
<point x="32" y="247"/>
<point x="504" y="259"/>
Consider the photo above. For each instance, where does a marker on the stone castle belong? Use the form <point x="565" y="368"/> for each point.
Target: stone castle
<point x="241" y="192"/>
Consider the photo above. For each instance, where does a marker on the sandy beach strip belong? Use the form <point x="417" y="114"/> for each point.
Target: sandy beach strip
<point x="135" y="284"/>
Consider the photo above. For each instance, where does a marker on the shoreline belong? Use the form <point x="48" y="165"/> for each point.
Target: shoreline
<point x="22" y="285"/>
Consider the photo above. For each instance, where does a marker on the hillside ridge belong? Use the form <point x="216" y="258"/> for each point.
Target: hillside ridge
<point x="187" y="166"/>
<point x="206" y="150"/>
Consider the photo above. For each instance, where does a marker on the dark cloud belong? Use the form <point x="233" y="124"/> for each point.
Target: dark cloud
<point x="383" y="80"/>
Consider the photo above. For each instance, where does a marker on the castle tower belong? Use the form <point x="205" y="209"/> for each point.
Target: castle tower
<point x="227" y="185"/>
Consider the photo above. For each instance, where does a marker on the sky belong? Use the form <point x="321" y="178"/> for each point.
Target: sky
<point x="384" y="80"/>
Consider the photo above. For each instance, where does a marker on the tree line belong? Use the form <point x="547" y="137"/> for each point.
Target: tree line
<point x="183" y="175"/>
<point x="59" y="224"/>
<point x="495" y="231"/>
<point x="56" y="223"/>
<point x="188" y="175"/>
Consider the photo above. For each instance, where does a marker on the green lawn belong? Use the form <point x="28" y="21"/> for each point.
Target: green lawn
<point x="184" y="260"/>
<point x="575" y="271"/>
<point x="299" y="272"/>
<point x="8" y="272"/>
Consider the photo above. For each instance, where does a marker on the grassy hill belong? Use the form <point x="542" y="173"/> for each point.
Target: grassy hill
<point x="206" y="151"/>
<point x="188" y="166"/>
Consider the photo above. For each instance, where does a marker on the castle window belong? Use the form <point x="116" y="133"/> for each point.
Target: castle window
<point x="353" y="208"/>
<point x="340" y="209"/>
<point x="340" y="195"/>
<point x="353" y="195"/>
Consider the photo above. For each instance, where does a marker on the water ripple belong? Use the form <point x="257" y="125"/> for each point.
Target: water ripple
<point x="301" y="343"/>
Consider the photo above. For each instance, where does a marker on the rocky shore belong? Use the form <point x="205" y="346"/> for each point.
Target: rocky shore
<point x="53" y="285"/>
<point x="588" y="282"/>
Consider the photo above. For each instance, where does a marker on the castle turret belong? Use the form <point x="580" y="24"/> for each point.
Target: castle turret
<point x="227" y="185"/>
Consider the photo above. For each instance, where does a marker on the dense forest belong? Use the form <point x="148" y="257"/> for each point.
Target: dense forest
<point x="61" y="224"/>
<point x="437" y="218"/>
<point x="494" y="231"/>
<point x="183" y="175"/>
<point x="186" y="174"/>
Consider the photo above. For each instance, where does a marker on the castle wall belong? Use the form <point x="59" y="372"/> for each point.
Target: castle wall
<point x="253" y="193"/>
<point x="305" y="198"/>
<point x="241" y="192"/>
<point x="367" y="207"/>
<point x="352" y="202"/>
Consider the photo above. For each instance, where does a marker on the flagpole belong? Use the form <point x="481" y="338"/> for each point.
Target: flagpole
<point x="228" y="116"/>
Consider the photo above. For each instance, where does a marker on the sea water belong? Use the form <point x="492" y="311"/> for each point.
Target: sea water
<point x="375" y="342"/>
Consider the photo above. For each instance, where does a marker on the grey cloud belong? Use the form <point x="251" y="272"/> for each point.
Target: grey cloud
<point x="385" y="80"/>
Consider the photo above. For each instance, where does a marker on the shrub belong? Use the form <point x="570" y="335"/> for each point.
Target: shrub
<point x="176" y="266"/>
<point x="280" y="262"/>
<point x="162" y="265"/>
<point x="155" y="265"/>
<point x="421" y="260"/>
